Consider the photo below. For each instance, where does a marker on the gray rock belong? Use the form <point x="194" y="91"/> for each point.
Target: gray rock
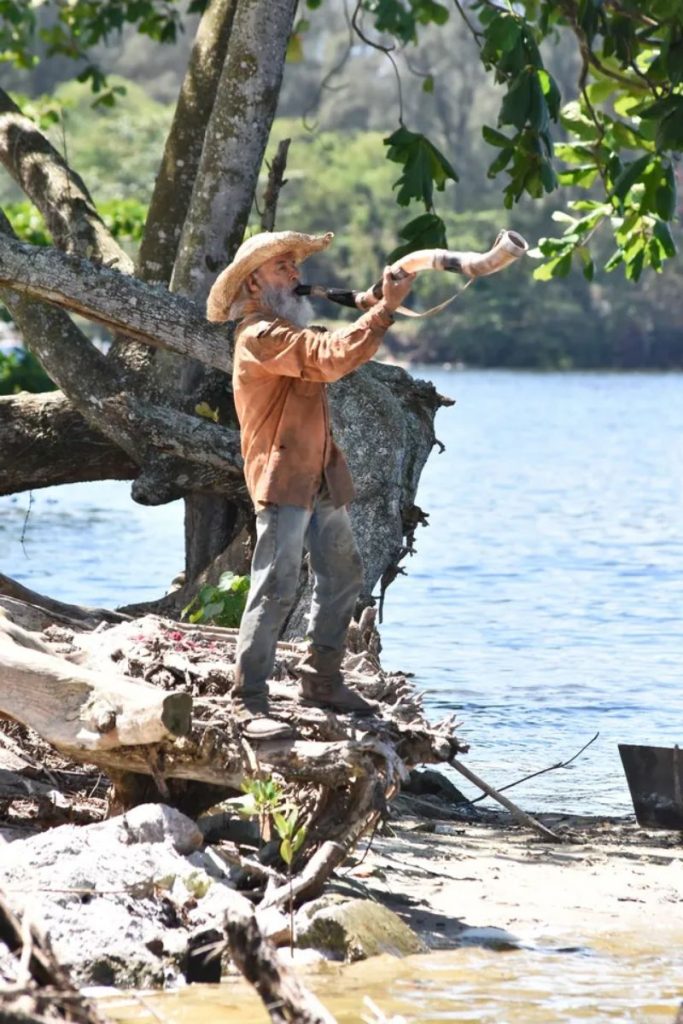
<point x="116" y="897"/>
<point x="354" y="929"/>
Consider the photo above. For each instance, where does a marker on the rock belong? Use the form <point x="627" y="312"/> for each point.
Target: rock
<point x="157" y="823"/>
<point x="432" y="783"/>
<point x="118" y="899"/>
<point x="354" y="929"/>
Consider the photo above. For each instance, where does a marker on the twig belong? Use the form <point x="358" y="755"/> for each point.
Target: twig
<point x="276" y="179"/>
<point x="552" y="768"/>
<point x="521" y="816"/>
<point x="377" y="1016"/>
<point x="386" y="50"/>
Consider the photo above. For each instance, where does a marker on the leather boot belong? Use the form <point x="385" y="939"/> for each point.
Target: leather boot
<point x="321" y="681"/>
<point x="250" y="709"/>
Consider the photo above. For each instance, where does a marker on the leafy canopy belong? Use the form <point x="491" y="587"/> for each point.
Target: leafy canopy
<point x="617" y="139"/>
<point x="613" y="144"/>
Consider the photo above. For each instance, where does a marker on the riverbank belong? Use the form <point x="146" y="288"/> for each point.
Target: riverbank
<point x="493" y="883"/>
<point x="478" y="892"/>
<point x="517" y="929"/>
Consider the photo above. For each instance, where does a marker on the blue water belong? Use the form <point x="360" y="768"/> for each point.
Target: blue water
<point x="544" y="602"/>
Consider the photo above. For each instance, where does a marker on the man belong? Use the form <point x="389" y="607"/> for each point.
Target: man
<point x="296" y="475"/>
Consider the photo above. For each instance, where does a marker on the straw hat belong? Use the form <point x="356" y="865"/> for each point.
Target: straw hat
<point x="250" y="256"/>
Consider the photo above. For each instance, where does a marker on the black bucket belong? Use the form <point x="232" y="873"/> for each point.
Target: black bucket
<point x="655" y="779"/>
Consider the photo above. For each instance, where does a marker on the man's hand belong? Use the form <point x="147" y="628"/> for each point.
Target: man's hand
<point x="395" y="291"/>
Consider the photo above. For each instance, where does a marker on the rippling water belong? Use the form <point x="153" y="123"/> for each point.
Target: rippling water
<point x="544" y="603"/>
<point x="472" y="986"/>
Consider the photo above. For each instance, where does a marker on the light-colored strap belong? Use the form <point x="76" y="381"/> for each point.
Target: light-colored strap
<point x="435" y="309"/>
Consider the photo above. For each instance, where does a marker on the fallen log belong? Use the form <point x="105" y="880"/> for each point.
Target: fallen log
<point x="148" y="697"/>
<point x="56" y="610"/>
<point x="77" y="709"/>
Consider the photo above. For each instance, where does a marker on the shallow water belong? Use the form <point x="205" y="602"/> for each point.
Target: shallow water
<point x="629" y="980"/>
<point x="544" y="602"/>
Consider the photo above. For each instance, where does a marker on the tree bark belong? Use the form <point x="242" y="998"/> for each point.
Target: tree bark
<point x="44" y="441"/>
<point x="58" y="192"/>
<point x="235" y="141"/>
<point x="115" y="300"/>
<point x="182" y="152"/>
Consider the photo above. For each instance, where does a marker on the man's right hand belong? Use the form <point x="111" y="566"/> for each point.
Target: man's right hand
<point x="394" y="291"/>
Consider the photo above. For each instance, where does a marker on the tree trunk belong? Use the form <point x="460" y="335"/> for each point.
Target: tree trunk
<point x="236" y="138"/>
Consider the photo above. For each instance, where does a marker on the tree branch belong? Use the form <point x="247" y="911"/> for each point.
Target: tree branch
<point x="116" y="301"/>
<point x="57" y="191"/>
<point x="44" y="441"/>
<point x="183" y="149"/>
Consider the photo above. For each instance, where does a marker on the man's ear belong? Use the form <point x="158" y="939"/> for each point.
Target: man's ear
<point x="252" y="283"/>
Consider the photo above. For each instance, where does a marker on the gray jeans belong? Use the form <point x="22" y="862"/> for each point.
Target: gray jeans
<point x="282" y="532"/>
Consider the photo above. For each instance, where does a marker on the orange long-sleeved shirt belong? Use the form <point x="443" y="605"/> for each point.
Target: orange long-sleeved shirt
<point x="280" y="377"/>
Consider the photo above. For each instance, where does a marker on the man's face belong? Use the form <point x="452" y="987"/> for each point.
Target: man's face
<point x="273" y="286"/>
<point x="281" y="272"/>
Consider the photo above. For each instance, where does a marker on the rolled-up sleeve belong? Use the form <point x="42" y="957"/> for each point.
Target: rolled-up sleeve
<point x="318" y="355"/>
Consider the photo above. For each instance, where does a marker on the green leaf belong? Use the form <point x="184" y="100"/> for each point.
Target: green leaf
<point x="280" y="824"/>
<point x="670" y="129"/>
<point x="503" y="32"/>
<point x="424" y="167"/>
<point x="577" y="123"/>
<point x="665" y="198"/>
<point x="635" y="267"/>
<point x="298" y="839"/>
<point x="212" y="609"/>
<point x="286" y="851"/>
<point x="558" y="267"/>
<point x="662" y="233"/>
<point x="517" y="101"/>
<point x="587" y="261"/>
<point x="495" y="138"/>
<point x="427" y="231"/>
<point x="551" y="92"/>
<point x="428" y="84"/>
<point x="205" y="410"/>
<point x="501" y="162"/>
<point x="295" y="50"/>
<point x="631" y="174"/>
<point x="581" y="176"/>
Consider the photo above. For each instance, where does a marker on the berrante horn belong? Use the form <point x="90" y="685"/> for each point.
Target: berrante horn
<point x="508" y="247"/>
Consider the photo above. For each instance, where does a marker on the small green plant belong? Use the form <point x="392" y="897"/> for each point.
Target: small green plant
<point x="222" y="605"/>
<point x="265" y="800"/>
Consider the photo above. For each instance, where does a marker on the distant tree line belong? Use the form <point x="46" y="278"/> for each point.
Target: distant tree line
<point x="335" y="180"/>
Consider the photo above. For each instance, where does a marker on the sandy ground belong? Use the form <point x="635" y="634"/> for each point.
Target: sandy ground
<point x="495" y="883"/>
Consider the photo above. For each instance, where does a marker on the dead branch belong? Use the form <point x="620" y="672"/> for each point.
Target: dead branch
<point x="283" y="995"/>
<point x="521" y="816"/>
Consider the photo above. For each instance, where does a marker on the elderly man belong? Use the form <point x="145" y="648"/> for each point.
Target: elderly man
<point x="296" y="475"/>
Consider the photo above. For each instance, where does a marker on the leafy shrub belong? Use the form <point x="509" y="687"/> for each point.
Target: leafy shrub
<point x="222" y="605"/>
<point x="21" y="371"/>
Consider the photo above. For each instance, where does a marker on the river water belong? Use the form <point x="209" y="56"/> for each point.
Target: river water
<point x="543" y="606"/>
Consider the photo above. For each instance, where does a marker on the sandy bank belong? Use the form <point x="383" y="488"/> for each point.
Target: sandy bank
<point x="492" y="881"/>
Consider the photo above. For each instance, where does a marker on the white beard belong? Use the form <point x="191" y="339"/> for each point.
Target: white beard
<point x="287" y="305"/>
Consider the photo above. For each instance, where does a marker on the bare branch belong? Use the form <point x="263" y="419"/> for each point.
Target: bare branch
<point x="276" y="179"/>
<point x="57" y="191"/>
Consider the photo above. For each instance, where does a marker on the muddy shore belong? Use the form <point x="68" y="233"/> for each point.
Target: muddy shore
<point x="453" y="881"/>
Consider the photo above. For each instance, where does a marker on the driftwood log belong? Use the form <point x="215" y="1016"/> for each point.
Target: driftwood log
<point x="153" y="697"/>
